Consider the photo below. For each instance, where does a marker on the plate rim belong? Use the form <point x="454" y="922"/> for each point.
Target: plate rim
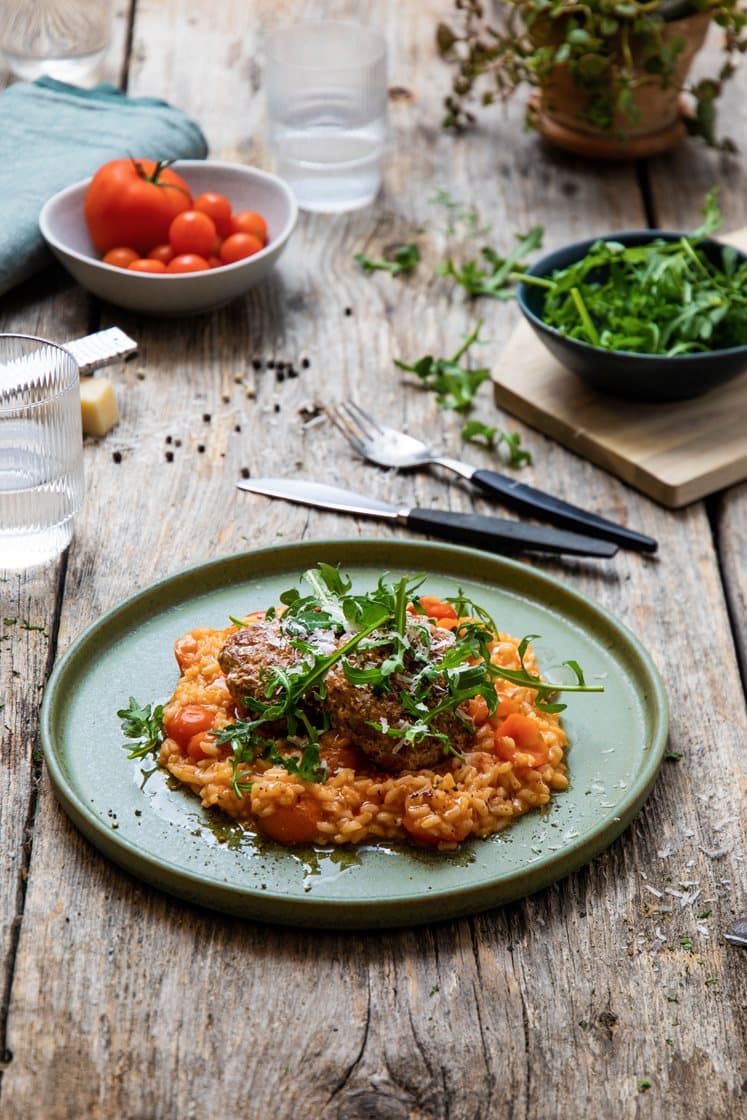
<point x="276" y="906"/>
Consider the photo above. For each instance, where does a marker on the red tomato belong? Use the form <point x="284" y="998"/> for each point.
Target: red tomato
<point x="121" y="257"/>
<point x="133" y="202"/>
<point x="187" y="262"/>
<point x="145" y="264"/>
<point x="217" y="207"/>
<point x="187" y="722"/>
<point x="192" y="232"/>
<point x="527" y="738"/>
<point x="294" y="824"/>
<point x="215" y="262"/>
<point x="195" y="751"/>
<point x="238" y="246"/>
<point x="161" y="253"/>
<point x="248" y="221"/>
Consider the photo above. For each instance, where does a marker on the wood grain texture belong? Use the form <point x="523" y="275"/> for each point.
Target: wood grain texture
<point x="124" y="1002"/>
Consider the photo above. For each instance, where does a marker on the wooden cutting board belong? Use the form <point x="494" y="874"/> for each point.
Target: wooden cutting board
<point x="675" y="452"/>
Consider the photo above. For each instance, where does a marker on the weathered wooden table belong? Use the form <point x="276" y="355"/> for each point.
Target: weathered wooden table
<point x="599" y="996"/>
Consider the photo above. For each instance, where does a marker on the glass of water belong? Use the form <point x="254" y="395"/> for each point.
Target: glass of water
<point x="327" y="112"/>
<point x="41" y="450"/>
<point x="64" y="39"/>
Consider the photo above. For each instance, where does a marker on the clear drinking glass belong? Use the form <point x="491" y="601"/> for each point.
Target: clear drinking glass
<point x="327" y="111"/>
<point x="64" y="39"/>
<point x="41" y="450"/>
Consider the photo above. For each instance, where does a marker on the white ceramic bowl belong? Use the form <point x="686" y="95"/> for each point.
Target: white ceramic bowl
<point x="64" y="229"/>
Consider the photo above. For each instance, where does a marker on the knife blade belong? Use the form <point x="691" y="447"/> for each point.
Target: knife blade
<point x="491" y="533"/>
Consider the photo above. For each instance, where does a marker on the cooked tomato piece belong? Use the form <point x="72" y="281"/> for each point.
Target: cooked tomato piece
<point x="188" y="722"/>
<point x="292" y="824"/>
<point x="526" y="736"/>
<point x="340" y="754"/>
<point x="195" y="746"/>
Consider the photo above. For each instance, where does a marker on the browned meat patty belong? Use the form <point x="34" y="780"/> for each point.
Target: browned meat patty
<point x="351" y="708"/>
<point x="248" y="655"/>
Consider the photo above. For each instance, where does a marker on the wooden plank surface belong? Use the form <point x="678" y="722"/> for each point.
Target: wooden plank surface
<point x="675" y="452"/>
<point x="123" y="1002"/>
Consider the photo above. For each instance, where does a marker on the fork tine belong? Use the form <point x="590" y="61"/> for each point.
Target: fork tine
<point x="365" y="420"/>
<point x="344" y="424"/>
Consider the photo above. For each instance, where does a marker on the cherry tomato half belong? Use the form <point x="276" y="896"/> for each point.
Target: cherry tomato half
<point x="192" y="232"/>
<point x="248" y="221"/>
<point x="217" y="207"/>
<point x="187" y="262"/>
<point x="144" y="264"/>
<point x="187" y="722"/>
<point x="121" y="257"/>
<point x="238" y="246"/>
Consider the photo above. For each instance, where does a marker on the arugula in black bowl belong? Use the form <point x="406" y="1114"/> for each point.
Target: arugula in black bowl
<point x="646" y="314"/>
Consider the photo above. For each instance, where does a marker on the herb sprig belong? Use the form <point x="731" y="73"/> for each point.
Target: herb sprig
<point x="474" y="431"/>
<point x="402" y="258"/>
<point x="495" y="279"/>
<point x="455" y="385"/>
<point x="143" y="724"/>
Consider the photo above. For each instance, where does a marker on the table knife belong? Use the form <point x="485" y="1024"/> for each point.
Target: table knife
<point x="490" y="533"/>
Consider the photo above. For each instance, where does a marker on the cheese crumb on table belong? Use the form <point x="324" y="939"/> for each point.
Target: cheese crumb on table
<point x="98" y="406"/>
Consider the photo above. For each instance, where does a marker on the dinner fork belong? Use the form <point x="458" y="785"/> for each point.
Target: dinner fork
<point x="388" y="447"/>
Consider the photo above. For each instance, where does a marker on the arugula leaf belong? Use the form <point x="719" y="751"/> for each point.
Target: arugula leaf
<point x="460" y="214"/>
<point x="493" y="280"/>
<point x="455" y="385"/>
<point x="474" y="431"/>
<point x="139" y="722"/>
<point x="403" y="258"/>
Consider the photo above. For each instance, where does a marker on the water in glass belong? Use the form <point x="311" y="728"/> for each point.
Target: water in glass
<point x="41" y="460"/>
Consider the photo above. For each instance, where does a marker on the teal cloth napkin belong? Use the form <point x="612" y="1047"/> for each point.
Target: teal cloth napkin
<point x="53" y="134"/>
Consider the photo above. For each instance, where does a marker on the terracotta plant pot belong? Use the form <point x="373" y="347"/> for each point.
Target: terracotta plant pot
<point x="559" y="111"/>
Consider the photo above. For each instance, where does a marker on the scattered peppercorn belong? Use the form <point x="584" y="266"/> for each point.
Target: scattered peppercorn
<point x="117" y="456"/>
<point x="177" y="442"/>
<point x="169" y="456"/>
<point x="245" y="472"/>
<point x="169" y="439"/>
<point x="201" y="448"/>
<point x="348" y="311"/>
<point x="305" y="363"/>
<point x="256" y="364"/>
<point x="225" y="397"/>
<point x="237" y="427"/>
<point x="292" y="372"/>
<point x="277" y="407"/>
<point x="206" y="417"/>
<point x="270" y="364"/>
<point x="279" y="375"/>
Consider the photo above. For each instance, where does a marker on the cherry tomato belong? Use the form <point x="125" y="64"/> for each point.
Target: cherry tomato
<point x="292" y="824"/>
<point x="120" y="257"/>
<point x="248" y="221"/>
<point x="161" y="253"/>
<point x="133" y="202"/>
<point x="238" y="246"/>
<point x="192" y="232"/>
<point x="145" y="264"/>
<point x="526" y="736"/>
<point x="217" y="207"/>
<point x="215" y="262"/>
<point x="187" y="262"/>
<point x="187" y="722"/>
<point x="195" y="751"/>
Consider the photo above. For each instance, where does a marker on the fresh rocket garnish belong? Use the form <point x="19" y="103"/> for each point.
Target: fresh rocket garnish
<point x="403" y="258"/>
<point x="455" y="385"/>
<point x="379" y="621"/>
<point x="144" y="725"/>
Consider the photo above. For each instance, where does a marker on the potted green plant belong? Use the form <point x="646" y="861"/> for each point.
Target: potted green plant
<point x="610" y="76"/>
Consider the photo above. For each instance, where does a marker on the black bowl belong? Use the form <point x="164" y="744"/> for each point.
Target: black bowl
<point x="622" y="373"/>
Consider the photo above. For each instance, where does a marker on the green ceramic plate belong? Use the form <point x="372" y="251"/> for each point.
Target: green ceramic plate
<point x="163" y="835"/>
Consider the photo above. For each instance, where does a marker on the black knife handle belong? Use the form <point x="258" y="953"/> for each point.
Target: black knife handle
<point x="497" y="535"/>
<point x="519" y="496"/>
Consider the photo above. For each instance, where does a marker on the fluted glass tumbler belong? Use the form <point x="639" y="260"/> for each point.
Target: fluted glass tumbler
<point x="64" y="39"/>
<point x="41" y="450"/>
<point x="327" y="112"/>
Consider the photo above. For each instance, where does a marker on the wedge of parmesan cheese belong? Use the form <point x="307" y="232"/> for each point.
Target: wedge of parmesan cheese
<point x="98" y="406"/>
